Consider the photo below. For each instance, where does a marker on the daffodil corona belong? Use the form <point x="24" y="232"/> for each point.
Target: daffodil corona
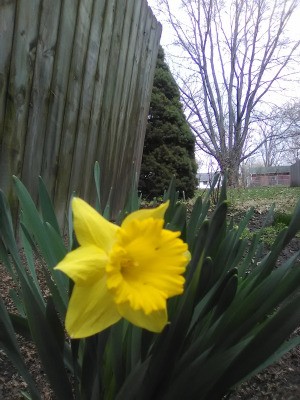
<point x="122" y="272"/>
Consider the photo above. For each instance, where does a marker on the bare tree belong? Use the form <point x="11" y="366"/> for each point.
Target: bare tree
<point x="271" y="151"/>
<point x="233" y="53"/>
<point x="280" y="135"/>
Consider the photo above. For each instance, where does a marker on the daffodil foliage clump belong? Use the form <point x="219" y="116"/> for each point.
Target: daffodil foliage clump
<point x="155" y="306"/>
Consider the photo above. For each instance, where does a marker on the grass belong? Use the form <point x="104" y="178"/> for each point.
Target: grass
<point x="261" y="198"/>
<point x="284" y="198"/>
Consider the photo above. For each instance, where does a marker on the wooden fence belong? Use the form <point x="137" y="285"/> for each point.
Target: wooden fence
<point x="295" y="174"/>
<point x="75" y="85"/>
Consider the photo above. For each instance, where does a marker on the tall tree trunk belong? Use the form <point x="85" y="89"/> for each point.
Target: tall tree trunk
<point x="230" y="167"/>
<point x="233" y="175"/>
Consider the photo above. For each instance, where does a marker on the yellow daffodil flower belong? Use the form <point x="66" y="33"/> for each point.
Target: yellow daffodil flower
<point x="122" y="272"/>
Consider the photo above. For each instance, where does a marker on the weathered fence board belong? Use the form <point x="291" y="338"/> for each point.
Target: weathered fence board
<point x="87" y="95"/>
<point x="25" y="31"/>
<point x="75" y="85"/>
<point x="7" y="17"/>
<point x="75" y="79"/>
<point x="99" y="91"/>
<point x="40" y="93"/>
<point x="59" y="87"/>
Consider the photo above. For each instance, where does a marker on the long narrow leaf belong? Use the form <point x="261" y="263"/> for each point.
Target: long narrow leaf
<point x="47" y="346"/>
<point x="9" y="343"/>
<point x="47" y="206"/>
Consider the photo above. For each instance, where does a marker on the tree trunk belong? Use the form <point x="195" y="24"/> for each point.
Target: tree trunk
<point x="233" y="175"/>
<point x="230" y="166"/>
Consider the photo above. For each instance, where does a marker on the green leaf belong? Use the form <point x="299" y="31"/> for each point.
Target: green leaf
<point x="71" y="235"/>
<point x="178" y="220"/>
<point x="55" y="324"/>
<point x="262" y="346"/>
<point x="107" y="211"/>
<point x="193" y="225"/>
<point x="20" y="325"/>
<point x="172" y="195"/>
<point x="42" y="235"/>
<point x="227" y="295"/>
<point x="16" y="296"/>
<point x="97" y="179"/>
<point x="133" y="200"/>
<point x="7" y="231"/>
<point x="294" y="225"/>
<point x="58" y="283"/>
<point x="47" y="346"/>
<point x="9" y="344"/>
<point x="93" y="366"/>
<point x="7" y="262"/>
<point x="248" y="310"/>
<point x="203" y="372"/>
<point x="47" y="207"/>
<point x="9" y="241"/>
<point x="216" y="229"/>
<point x="198" y="249"/>
<point x="133" y="385"/>
<point x="282" y="350"/>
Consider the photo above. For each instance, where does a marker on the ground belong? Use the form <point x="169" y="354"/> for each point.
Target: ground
<point x="279" y="381"/>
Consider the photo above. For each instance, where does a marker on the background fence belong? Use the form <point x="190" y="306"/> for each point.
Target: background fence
<point x="295" y="174"/>
<point x="75" y="85"/>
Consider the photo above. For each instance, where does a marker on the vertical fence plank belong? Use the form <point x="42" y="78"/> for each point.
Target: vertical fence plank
<point x="112" y="83"/>
<point x="147" y="72"/>
<point x="85" y="119"/>
<point x="58" y="93"/>
<point x="19" y="86"/>
<point x="111" y="150"/>
<point x="69" y="132"/>
<point x="96" y="134"/>
<point x="123" y="174"/>
<point x="40" y="95"/>
<point x="142" y="78"/>
<point x="7" y="22"/>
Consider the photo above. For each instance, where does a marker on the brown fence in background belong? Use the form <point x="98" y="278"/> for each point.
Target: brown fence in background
<point x="295" y="174"/>
<point x="75" y="85"/>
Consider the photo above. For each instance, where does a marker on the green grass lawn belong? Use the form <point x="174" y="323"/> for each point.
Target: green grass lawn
<point x="261" y="198"/>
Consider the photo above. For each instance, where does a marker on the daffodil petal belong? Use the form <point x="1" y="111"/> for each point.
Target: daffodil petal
<point x="154" y="322"/>
<point x="91" y="310"/>
<point x="90" y="227"/>
<point x="84" y="265"/>
<point x="155" y="213"/>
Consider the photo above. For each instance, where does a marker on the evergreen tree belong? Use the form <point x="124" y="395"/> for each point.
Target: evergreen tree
<point x="169" y="148"/>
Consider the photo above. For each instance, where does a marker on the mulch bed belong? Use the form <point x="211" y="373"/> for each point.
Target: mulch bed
<point x="279" y="381"/>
